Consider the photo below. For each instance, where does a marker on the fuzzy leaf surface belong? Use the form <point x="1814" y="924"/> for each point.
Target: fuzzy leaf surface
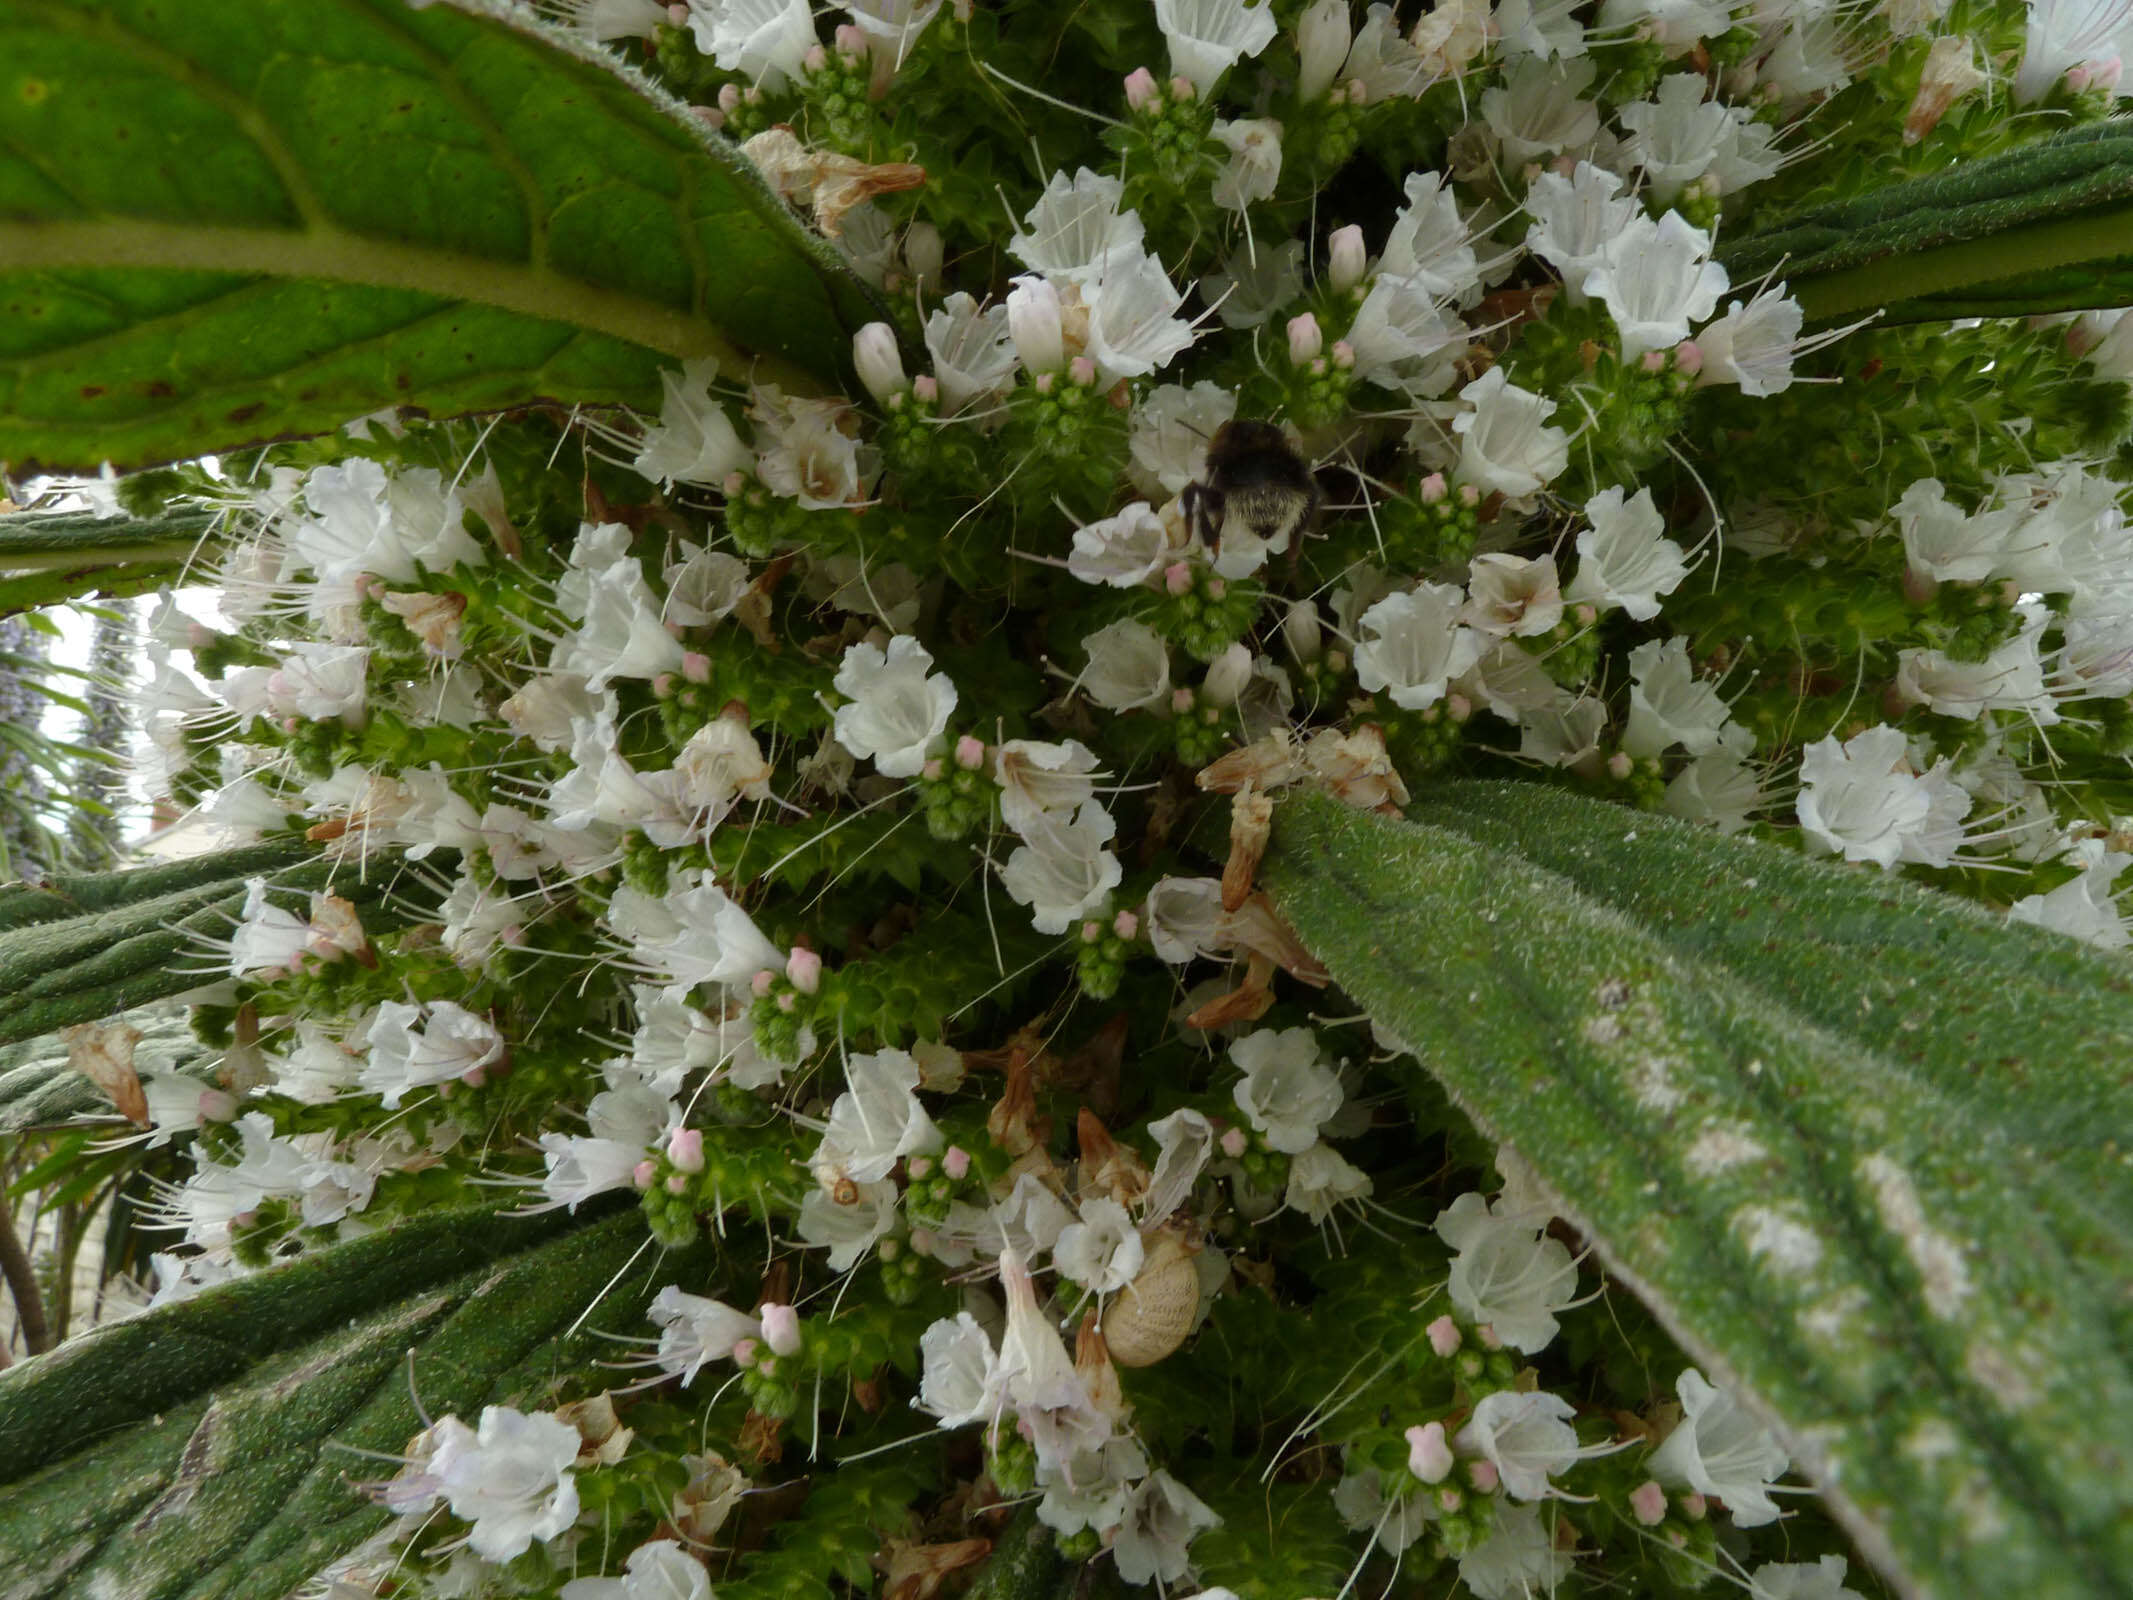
<point x="206" y="1448"/>
<point x="224" y="221"/>
<point x="1887" y="1239"/>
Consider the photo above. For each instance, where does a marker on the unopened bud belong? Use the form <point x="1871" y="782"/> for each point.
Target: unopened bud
<point x="880" y="363"/>
<point x="1141" y="90"/>
<point x="781" y="1329"/>
<point x="803" y="968"/>
<point x="1305" y="339"/>
<point x="1322" y="40"/>
<point x="1429" y="1455"/>
<point x="685" y="1148"/>
<point x="1033" y="322"/>
<point x="1345" y="258"/>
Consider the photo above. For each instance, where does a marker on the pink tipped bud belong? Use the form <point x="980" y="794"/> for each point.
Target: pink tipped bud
<point x="1694" y="1507"/>
<point x="474" y="1077"/>
<point x="729" y="98"/>
<point x="1343" y="354"/>
<point x="1081" y="371"/>
<point x="781" y="1329"/>
<point x="1458" y="707"/>
<point x="851" y="40"/>
<point x="696" y="667"/>
<point x="1177" y="577"/>
<point x="1234" y="1143"/>
<point x="880" y="364"/>
<point x="1181" y="701"/>
<point x="1429" y="1456"/>
<point x="217" y="1105"/>
<point x="677" y="1183"/>
<point x="788" y="1002"/>
<point x="955" y="1161"/>
<point x="1619" y="766"/>
<point x="759" y="985"/>
<point x="815" y="59"/>
<point x="1653" y="361"/>
<point x="970" y="752"/>
<point x="735" y="485"/>
<point x="709" y="116"/>
<point x="663" y="683"/>
<point x="746" y="1352"/>
<point x="1647" y="1503"/>
<point x="1688" y="358"/>
<point x="678" y="14"/>
<point x="932" y="769"/>
<point x="919" y="1167"/>
<point x="1484" y="1477"/>
<point x="1045" y="382"/>
<point x="1306" y="339"/>
<point x="1216" y="588"/>
<point x="1181" y="89"/>
<point x="1443" y="1336"/>
<point x="643" y="1173"/>
<point x="1358" y="92"/>
<point x="685" y="1148"/>
<point x="927" y="388"/>
<point x="1433" y="489"/>
<point x="923" y="1241"/>
<point x="1126" y="925"/>
<point x="1489" y="1337"/>
<point x="1141" y="90"/>
<point x="1091" y="931"/>
<point x="1345" y="258"/>
<point x="804" y="968"/>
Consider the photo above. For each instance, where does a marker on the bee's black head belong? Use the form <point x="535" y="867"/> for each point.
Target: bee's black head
<point x="1245" y="453"/>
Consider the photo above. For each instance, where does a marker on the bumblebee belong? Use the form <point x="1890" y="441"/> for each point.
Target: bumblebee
<point x="1256" y="499"/>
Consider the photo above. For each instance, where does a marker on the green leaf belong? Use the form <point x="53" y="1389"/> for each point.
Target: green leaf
<point x="1853" y="1143"/>
<point x="212" y="1447"/>
<point x="231" y="220"/>
<point x="2047" y="227"/>
<point x="48" y="557"/>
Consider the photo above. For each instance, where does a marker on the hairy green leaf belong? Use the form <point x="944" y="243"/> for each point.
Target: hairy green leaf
<point x="1855" y="1183"/>
<point x="49" y="557"/>
<point x="2047" y="227"/>
<point x="40" y="1087"/>
<point x="231" y="220"/>
<point x="213" y="1447"/>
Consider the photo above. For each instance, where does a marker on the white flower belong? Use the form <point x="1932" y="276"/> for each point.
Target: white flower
<point x="1945" y="542"/>
<point x="1129" y="667"/>
<point x="1384" y="60"/>
<point x="1207" y="36"/>
<point x="1134" y="328"/>
<point x="1042" y="783"/>
<point x="1575" y="219"/>
<point x="1512" y="595"/>
<point x="1124" y="550"/>
<point x="2082" y="907"/>
<point x="1321" y="1178"/>
<point x="451" y="1043"/>
<point x="1359" y="1501"/>
<point x="1506" y="1272"/>
<point x="1541" y="28"/>
<point x="1561" y="731"/>
<point x="1169" y="433"/>
<point x="959" y="1375"/>
<point x="877" y="1121"/>
<point x="1253" y="283"/>
<point x="1091" y="1490"/>
<point x="580" y="1167"/>
<point x="1656" y="279"/>
<point x="1052" y="1403"/>
<point x="322" y="681"/>
<point x="1184" y="919"/>
<point x="1429" y="241"/>
<point x="848" y="1229"/>
<point x="622" y="635"/>
<point x="1103" y="1250"/>
<point x="1862" y="800"/>
<point x="1720" y="1450"/>
<point x="1518" y="1560"/>
<point x="1503" y="443"/>
<point x="511" y="1479"/>
<point x="1753" y="345"/>
<point x="1162" y="1518"/>
<point x="1668" y="704"/>
<point x="1719" y="788"/>
<point x="266" y="938"/>
<point x="1036" y="324"/>
<point x="1404" y="340"/>
<point x="1254" y="166"/>
<point x="696" y="1330"/>
<point x="658" y="1570"/>
<point x="1678" y="24"/>
<point x="2064" y="34"/>
<point x="1287" y="1092"/>
<point x="1417" y="645"/>
<point x="766" y="39"/>
<point x="1804" y="1580"/>
<point x="1183" y="1142"/>
<point x="1077" y="228"/>
<point x="1526" y="1437"/>
<point x="696" y="935"/>
<point x="1063" y="872"/>
<point x="1625" y="558"/>
<point x="897" y="706"/>
<point x="811" y="452"/>
<point x="388" y="526"/>
<point x="973" y="350"/>
<point x="2010" y="678"/>
<point x="1537" y="113"/>
<point x="695" y="440"/>
<point x="1678" y="137"/>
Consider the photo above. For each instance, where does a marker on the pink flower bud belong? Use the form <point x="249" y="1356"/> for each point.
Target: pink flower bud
<point x="1449" y="1500"/>
<point x="1305" y="338"/>
<point x="1091" y="931"/>
<point x="1647" y="1503"/>
<point x="922" y="1241"/>
<point x="1081" y="371"/>
<point x="970" y="752"/>
<point x="927" y="388"/>
<point x="643" y="1173"/>
<point x="932" y="769"/>
<point x="1045" y="382"/>
<point x="1693" y="1507"/>
<point x="1141" y="90"/>
<point x="1483" y="1476"/>
<point x="955" y="1161"/>
<point x="804" y="968"/>
<point x="1433" y="489"/>
<point x="1619" y="766"/>
<point x="685" y="1148"/>
<point x="1234" y="1143"/>
<point x="1346" y="258"/>
<point x="696" y="666"/>
<point x="1181" y="701"/>
<point x="709" y="116"/>
<point x="474" y="1077"/>
<point x="1126" y="925"/>
<point x="919" y="1168"/>
<point x="1358" y="92"/>
<point x="1458" y="707"/>
<point x="663" y="683"/>
<point x="1489" y="1337"/>
<point x="1688" y="358"/>
<point x="1429" y="1456"/>
<point x="781" y="1329"/>
<point x="880" y="363"/>
<point x="759" y="985"/>
<point x="1653" y="361"/>
<point x="677" y="1183"/>
<point x="1177" y="577"/>
<point x="787" y="1001"/>
<point x="815" y="59"/>
<point x="217" y="1105"/>
<point x="1181" y="89"/>
<point x="1443" y="1336"/>
<point x="678" y="14"/>
<point x="729" y="98"/>
<point x="851" y="39"/>
<point x="746" y="1352"/>
<point x="1216" y="588"/>
<point x="1343" y="354"/>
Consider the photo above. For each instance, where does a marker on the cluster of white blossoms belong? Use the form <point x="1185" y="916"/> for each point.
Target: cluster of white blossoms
<point x="830" y="823"/>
